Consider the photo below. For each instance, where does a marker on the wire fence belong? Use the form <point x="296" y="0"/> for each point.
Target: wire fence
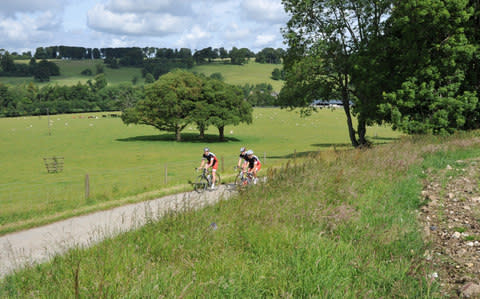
<point x="62" y="191"/>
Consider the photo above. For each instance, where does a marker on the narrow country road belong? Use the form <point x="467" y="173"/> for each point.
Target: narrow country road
<point x="38" y="245"/>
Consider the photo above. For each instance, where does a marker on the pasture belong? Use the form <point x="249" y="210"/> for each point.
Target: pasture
<point x="70" y="74"/>
<point x="127" y="163"/>
<point x="250" y="73"/>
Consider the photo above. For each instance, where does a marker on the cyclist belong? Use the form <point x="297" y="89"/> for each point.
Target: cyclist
<point x="254" y="164"/>
<point x="210" y="160"/>
<point x="243" y="158"/>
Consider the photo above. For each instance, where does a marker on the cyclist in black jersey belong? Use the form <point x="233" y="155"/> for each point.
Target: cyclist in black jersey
<point x="210" y="160"/>
<point x="243" y="158"/>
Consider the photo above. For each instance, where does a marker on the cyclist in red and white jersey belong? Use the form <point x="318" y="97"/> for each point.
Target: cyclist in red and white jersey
<point x="254" y="164"/>
<point x="210" y="160"/>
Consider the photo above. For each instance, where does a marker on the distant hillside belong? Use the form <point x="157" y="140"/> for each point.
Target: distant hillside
<point x="70" y="73"/>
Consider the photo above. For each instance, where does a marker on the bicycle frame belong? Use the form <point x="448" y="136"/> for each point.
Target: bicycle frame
<point x="204" y="180"/>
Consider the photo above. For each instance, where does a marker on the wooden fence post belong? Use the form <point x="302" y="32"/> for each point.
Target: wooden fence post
<point x="87" y="186"/>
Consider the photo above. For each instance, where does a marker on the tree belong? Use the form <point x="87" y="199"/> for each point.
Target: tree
<point x="431" y="61"/>
<point x="217" y="76"/>
<point x="278" y="74"/>
<point x="227" y="105"/>
<point x="87" y="72"/>
<point x="269" y="55"/>
<point x="149" y="78"/>
<point x="99" y="83"/>
<point x="326" y="39"/>
<point x="168" y="103"/>
<point x="240" y="56"/>
<point x="261" y="95"/>
<point x="99" y="68"/>
<point x="43" y="70"/>
<point x="7" y="63"/>
<point x="96" y="53"/>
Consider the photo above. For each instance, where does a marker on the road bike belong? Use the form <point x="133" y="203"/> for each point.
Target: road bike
<point x="243" y="178"/>
<point x="204" y="180"/>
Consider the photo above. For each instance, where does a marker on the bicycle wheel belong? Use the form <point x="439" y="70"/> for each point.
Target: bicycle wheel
<point x="239" y="180"/>
<point x="218" y="181"/>
<point x="200" y="184"/>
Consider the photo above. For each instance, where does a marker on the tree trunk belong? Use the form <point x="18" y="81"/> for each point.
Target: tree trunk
<point x="351" y="131"/>
<point x="221" y="134"/>
<point x="201" y="128"/>
<point x="346" y="108"/>
<point x="178" y="133"/>
<point x="362" y="131"/>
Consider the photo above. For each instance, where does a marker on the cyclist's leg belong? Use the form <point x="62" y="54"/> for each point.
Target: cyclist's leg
<point x="214" y="172"/>
<point x="244" y="166"/>
<point x="255" y="171"/>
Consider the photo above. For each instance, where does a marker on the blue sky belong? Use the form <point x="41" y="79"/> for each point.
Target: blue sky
<point x="254" y="24"/>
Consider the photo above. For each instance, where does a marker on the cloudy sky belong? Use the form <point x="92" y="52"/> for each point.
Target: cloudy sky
<point x="195" y="24"/>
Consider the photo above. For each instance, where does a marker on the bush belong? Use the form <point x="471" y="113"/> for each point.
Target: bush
<point x="87" y="72"/>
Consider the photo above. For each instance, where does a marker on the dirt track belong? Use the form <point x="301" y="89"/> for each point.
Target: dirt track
<point x="39" y="244"/>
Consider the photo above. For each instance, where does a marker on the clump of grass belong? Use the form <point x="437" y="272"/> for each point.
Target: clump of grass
<point x="341" y="225"/>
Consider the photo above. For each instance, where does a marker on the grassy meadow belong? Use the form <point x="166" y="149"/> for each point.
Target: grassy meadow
<point x="70" y="74"/>
<point x="125" y="161"/>
<point x="342" y="224"/>
<point x="250" y="73"/>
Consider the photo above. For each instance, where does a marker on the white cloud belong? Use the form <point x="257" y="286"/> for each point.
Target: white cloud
<point x="194" y="38"/>
<point x="148" y="24"/>
<point x="236" y="32"/>
<point x="269" y="11"/>
<point x="253" y="24"/>
<point x="28" y="31"/>
<point x="264" y="40"/>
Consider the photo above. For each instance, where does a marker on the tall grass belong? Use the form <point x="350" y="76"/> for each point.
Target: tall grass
<point x="340" y="225"/>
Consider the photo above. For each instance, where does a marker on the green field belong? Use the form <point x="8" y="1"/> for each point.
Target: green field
<point x="341" y="225"/>
<point x="70" y="74"/>
<point x="251" y="73"/>
<point x="123" y="161"/>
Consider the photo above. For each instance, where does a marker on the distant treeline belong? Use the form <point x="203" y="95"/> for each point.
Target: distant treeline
<point x="95" y="96"/>
<point x="29" y="99"/>
<point x="134" y="56"/>
<point x="41" y="71"/>
<point x="153" y="61"/>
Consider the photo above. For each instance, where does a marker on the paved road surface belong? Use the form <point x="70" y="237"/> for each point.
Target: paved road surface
<point x="39" y="244"/>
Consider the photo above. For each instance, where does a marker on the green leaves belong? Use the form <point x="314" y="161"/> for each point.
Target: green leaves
<point x="180" y="98"/>
<point x="432" y="58"/>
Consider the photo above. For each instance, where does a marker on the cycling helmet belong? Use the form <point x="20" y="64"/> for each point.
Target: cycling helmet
<point x="242" y="149"/>
<point x="206" y="149"/>
<point x="249" y="152"/>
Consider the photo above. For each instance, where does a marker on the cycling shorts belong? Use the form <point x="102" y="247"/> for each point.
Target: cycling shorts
<point x="256" y="167"/>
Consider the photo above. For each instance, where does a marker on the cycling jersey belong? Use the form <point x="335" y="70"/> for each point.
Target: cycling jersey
<point x="210" y="157"/>
<point x="251" y="162"/>
<point x="244" y="157"/>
